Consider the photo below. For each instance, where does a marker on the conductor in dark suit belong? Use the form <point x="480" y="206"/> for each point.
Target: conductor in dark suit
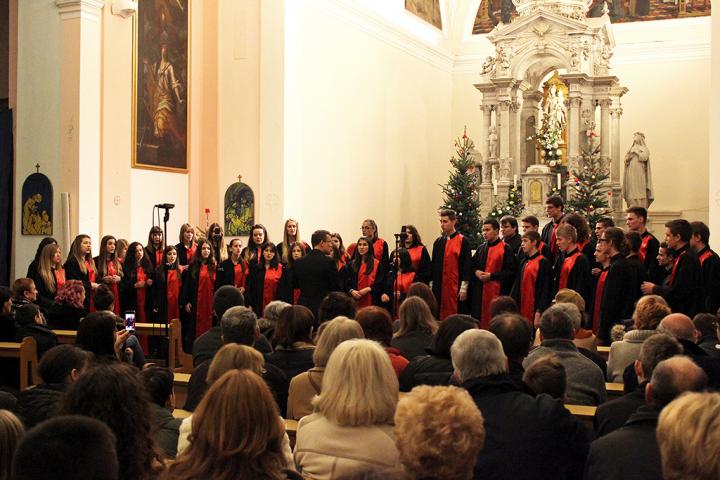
<point x="316" y="274"/>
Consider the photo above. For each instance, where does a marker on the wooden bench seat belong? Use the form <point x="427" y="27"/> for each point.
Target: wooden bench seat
<point x="26" y="352"/>
<point x="181" y="386"/>
<point x="604" y="352"/>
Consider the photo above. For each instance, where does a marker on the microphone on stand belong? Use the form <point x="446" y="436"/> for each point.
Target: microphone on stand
<point x="166" y="206"/>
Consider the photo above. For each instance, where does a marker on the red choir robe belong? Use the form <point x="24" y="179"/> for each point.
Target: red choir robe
<point x="114" y="287"/>
<point x="498" y="259"/>
<point x="450" y="267"/>
<point x="174" y="284"/>
<point x="532" y="288"/>
<point x="599" y="289"/>
<point x="421" y="263"/>
<point x="271" y="282"/>
<point x="374" y="280"/>
<point x="59" y="274"/>
<point x="91" y="278"/>
<point x="396" y="287"/>
<point x="204" y="306"/>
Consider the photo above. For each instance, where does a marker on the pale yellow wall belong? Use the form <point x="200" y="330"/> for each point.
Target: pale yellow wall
<point x="714" y="131"/>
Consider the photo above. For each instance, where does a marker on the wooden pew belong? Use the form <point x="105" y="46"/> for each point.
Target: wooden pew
<point x="26" y="351"/>
<point x="291" y="429"/>
<point x="614" y="390"/>
<point x="604" y="352"/>
<point x="181" y="386"/>
<point x="583" y="413"/>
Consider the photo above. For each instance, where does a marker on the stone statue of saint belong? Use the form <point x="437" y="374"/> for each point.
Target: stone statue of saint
<point x="637" y="189"/>
<point x="492" y="143"/>
<point x="555" y="110"/>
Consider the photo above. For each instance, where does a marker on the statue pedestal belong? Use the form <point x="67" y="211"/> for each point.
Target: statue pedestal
<point x="537" y="182"/>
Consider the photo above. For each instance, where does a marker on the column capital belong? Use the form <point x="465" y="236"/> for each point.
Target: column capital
<point x="505" y="105"/>
<point x="486" y="108"/>
<point x="616" y="112"/>
<point x="79" y="8"/>
<point x="605" y="103"/>
<point x="575" y="102"/>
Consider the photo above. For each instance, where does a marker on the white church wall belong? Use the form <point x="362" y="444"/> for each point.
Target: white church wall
<point x="714" y="130"/>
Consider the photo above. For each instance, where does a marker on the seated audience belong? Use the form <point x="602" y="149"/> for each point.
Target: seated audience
<point x="292" y="341"/>
<point x="515" y="334"/>
<point x="98" y="335"/>
<point x="24" y="292"/>
<point x="336" y="304"/>
<point x="707" y="326"/>
<point x="237" y="433"/>
<point x="11" y="432"/>
<point x="377" y="325"/>
<point x="417" y="326"/>
<point x="113" y="394"/>
<point x="31" y="323"/>
<point x="68" y="309"/>
<point x="352" y="426"/>
<point x="547" y="375"/>
<point x="632" y="451"/>
<point x="270" y="317"/>
<point x="612" y="415"/>
<point x="158" y="383"/>
<point x="436" y="368"/>
<point x="439" y="433"/>
<point x="585" y="380"/>
<point x="104" y="301"/>
<point x="649" y="311"/>
<point x="419" y="289"/>
<point x="71" y="447"/>
<point x="306" y="385"/>
<point x="526" y="437"/>
<point x="238" y="325"/>
<point x="584" y="338"/>
<point x="583" y="345"/>
<point x="59" y="368"/>
<point x="688" y="435"/>
<point x="8" y="328"/>
<point x="503" y="304"/>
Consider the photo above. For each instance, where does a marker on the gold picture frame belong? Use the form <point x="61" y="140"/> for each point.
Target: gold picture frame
<point x="161" y="85"/>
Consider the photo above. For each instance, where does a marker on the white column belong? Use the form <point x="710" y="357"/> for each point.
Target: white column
<point x="573" y="151"/>
<point x="615" y="113"/>
<point x="80" y="111"/>
<point x="504" y="132"/>
<point x="487" y="117"/>
<point x="605" y="130"/>
<point x="517" y="137"/>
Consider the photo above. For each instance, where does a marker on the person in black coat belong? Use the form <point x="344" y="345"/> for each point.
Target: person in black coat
<point x="270" y="280"/>
<point x="510" y="233"/>
<point x="31" y="324"/>
<point x="36" y="261"/>
<point x="419" y="256"/>
<point x="68" y="309"/>
<point x="710" y="264"/>
<point x="186" y="246"/>
<point x="573" y="268"/>
<point x="316" y="274"/>
<point x="526" y="437"/>
<point x="81" y="266"/>
<point x="48" y="275"/>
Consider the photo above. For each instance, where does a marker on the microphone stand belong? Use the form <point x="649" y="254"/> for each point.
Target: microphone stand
<point x="163" y="295"/>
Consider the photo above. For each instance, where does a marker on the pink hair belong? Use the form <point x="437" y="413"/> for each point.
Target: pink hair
<point x="71" y="293"/>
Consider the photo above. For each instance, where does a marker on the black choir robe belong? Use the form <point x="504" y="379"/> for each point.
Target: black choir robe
<point x="315" y="275"/>
<point x="225" y="274"/>
<point x="189" y="294"/>
<point x="421" y="263"/>
<point x="683" y="290"/>
<point x="254" y="254"/>
<point x="281" y="249"/>
<point x="153" y="255"/>
<point x="377" y="288"/>
<point x="514" y="243"/>
<point x="256" y="288"/>
<point x="479" y="304"/>
<point x="45" y="297"/>
<point x="533" y="296"/>
<point x="618" y="297"/>
<point x="446" y="297"/>
<point x="579" y="277"/>
<point x="73" y="272"/>
<point x="648" y="253"/>
<point x="547" y="237"/>
<point x="160" y="294"/>
<point x="128" y="292"/>
<point x="640" y="271"/>
<point x="710" y="264"/>
<point x="182" y="251"/>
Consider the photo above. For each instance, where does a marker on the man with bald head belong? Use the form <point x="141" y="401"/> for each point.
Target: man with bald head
<point x="632" y="451"/>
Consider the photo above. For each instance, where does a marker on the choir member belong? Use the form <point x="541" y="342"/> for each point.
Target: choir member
<point x="253" y="253"/>
<point x="554" y="208"/>
<point x="666" y="262"/>
<point x="167" y="286"/>
<point x="109" y="269"/>
<point x="216" y="236"/>
<point x="494" y="266"/>
<point x="291" y="234"/>
<point x="573" y="271"/>
<point x="49" y="275"/>
<point x="32" y="268"/>
<point x="710" y="264"/>
<point x="509" y="233"/>
<point x="634" y="241"/>
<point x="297" y="251"/>
<point x="81" y="266"/>
<point x="121" y="249"/>
<point x="451" y="267"/>
<point x="620" y="291"/>
<point x="402" y="275"/>
<point x="684" y="287"/>
<point x="365" y="277"/>
<point x="198" y="289"/>
<point x="233" y="271"/>
<point x="532" y="224"/>
<point x="339" y="254"/>
<point x="155" y="246"/>
<point x="583" y="235"/>
<point x="600" y="225"/>
<point x="268" y="281"/>
<point x="136" y="283"/>
<point x="379" y="246"/>
<point x="635" y="220"/>
<point x="602" y="259"/>
<point x="186" y="247"/>
<point x="419" y="256"/>
<point x="533" y="285"/>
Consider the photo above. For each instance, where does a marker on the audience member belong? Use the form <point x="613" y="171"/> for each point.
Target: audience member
<point x="71" y="447"/>
<point x="436" y="368"/>
<point x="8" y="328"/>
<point x="688" y="435"/>
<point x="336" y="304"/>
<point x="377" y="325"/>
<point x="306" y="385"/>
<point x="526" y="437"/>
<point x="649" y="311"/>
<point x="707" y="326"/>
<point x="585" y="380"/>
<point x="11" y="432"/>
<point x="104" y="301"/>
<point x="98" y="335"/>
<point x="547" y="375"/>
<point x="352" y="426"/>
<point x="631" y="451"/>
<point x="419" y="289"/>
<point x="68" y="309"/>
<point x="584" y="338"/>
<point x="270" y="317"/>
<point x="113" y="394"/>
<point x="292" y="341"/>
<point x="613" y="414"/>
<point x="158" y="384"/>
<point x="24" y="292"/>
<point x="515" y="334"/>
<point x="31" y="323"/>
<point x="59" y="368"/>
<point x="439" y="433"/>
<point x="417" y="326"/>
<point x="586" y="344"/>
<point x="503" y="304"/>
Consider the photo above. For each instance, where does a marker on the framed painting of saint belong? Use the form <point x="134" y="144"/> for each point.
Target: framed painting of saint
<point x="160" y="85"/>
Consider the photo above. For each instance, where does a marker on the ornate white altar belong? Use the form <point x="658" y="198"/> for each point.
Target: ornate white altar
<point x="547" y="36"/>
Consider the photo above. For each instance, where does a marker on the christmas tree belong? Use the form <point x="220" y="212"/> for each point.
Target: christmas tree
<point x="461" y="191"/>
<point x="588" y="190"/>
<point x="512" y="205"/>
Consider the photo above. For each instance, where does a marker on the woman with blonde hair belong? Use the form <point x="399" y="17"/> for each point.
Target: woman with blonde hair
<point x="81" y="266"/>
<point x="440" y="432"/>
<point x="291" y="235"/>
<point x="186" y="246"/>
<point x="649" y="311"/>
<point x="11" y="432"/>
<point x="305" y="386"/>
<point x="238" y="434"/>
<point x="417" y="328"/>
<point x="49" y="275"/>
<point x="352" y="426"/>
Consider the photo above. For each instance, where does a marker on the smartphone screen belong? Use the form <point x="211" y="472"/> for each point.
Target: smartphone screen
<point x="130" y="321"/>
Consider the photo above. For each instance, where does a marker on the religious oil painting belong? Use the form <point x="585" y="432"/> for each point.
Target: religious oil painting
<point x="37" y="205"/>
<point x="239" y="209"/>
<point x="428" y="10"/>
<point x="160" y="85"/>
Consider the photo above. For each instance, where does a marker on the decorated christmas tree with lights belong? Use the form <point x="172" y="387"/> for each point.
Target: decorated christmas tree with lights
<point x="512" y="205"/>
<point x="588" y="190"/>
<point x="461" y="191"/>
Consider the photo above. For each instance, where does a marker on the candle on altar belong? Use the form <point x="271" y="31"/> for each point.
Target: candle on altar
<point x="494" y="188"/>
<point x="559" y="178"/>
<point x="515" y="181"/>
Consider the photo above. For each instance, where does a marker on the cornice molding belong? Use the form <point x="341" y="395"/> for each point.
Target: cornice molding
<point x="90" y="9"/>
